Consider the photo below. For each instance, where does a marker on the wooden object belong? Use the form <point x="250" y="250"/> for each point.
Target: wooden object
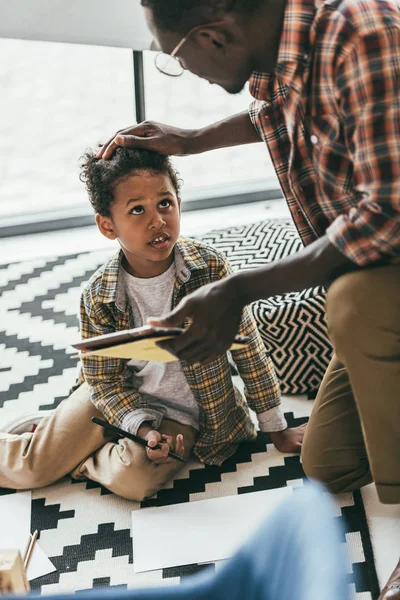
<point x="13" y="578"/>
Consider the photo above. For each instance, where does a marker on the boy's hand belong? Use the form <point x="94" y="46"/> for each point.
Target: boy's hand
<point x="289" y="440"/>
<point x="160" y="457"/>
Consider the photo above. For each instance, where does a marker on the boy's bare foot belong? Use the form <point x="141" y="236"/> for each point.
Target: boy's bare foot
<point x="391" y="591"/>
<point x="289" y="440"/>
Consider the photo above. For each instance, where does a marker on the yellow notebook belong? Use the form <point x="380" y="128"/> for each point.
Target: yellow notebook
<point x="139" y="344"/>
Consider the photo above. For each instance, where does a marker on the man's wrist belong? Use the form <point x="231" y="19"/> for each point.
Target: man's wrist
<point x="197" y="141"/>
<point x="233" y="131"/>
<point x="316" y="264"/>
<point x="190" y="142"/>
<point x="242" y="289"/>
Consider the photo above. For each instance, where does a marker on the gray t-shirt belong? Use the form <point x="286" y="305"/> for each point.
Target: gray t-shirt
<point x="163" y="384"/>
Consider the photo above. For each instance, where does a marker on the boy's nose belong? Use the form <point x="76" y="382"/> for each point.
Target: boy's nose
<point x="156" y="222"/>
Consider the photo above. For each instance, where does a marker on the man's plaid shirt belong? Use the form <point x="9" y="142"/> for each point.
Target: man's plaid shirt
<point x="224" y="414"/>
<point x="330" y="116"/>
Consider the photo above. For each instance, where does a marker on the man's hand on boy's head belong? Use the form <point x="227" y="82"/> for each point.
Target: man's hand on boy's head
<point x="149" y="135"/>
<point x="167" y="444"/>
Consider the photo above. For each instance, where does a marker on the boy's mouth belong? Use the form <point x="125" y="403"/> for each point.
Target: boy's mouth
<point x="161" y="241"/>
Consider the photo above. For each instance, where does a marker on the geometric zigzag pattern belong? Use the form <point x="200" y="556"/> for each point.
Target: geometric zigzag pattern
<point x="84" y="528"/>
<point x="292" y="326"/>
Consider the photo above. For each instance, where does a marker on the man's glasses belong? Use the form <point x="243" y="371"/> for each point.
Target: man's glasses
<point x="170" y="64"/>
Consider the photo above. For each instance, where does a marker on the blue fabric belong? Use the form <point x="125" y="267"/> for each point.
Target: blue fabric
<point x="296" y="553"/>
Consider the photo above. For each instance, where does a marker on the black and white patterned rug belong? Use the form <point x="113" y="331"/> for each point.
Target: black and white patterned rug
<point x="84" y="528"/>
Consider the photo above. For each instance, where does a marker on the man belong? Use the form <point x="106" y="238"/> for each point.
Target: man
<point x="325" y="77"/>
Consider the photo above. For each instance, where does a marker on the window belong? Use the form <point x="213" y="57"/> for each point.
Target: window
<point x="59" y="99"/>
<point x="191" y="102"/>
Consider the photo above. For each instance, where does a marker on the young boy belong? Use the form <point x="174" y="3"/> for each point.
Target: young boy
<point x="186" y="408"/>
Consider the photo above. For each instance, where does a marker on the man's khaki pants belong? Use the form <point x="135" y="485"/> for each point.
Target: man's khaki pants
<point x="68" y="442"/>
<point x="353" y="436"/>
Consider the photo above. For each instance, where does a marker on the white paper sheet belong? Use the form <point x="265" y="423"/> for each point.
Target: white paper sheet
<point x="39" y="564"/>
<point x="15" y="527"/>
<point x="197" y="532"/>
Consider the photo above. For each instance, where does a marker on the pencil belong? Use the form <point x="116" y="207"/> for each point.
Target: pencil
<point x="133" y="437"/>
<point x="29" y="549"/>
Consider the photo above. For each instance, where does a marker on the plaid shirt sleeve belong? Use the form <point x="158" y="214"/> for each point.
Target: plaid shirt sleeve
<point x="368" y="80"/>
<point x="255" y="366"/>
<point x="109" y="378"/>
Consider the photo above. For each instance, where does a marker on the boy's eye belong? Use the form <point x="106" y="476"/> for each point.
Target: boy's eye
<point x="165" y="203"/>
<point x="137" y="210"/>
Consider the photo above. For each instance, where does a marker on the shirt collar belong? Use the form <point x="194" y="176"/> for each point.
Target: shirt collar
<point x="293" y="46"/>
<point x="187" y="259"/>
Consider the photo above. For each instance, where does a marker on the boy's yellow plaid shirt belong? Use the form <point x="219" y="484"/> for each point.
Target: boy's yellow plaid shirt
<point x="224" y="415"/>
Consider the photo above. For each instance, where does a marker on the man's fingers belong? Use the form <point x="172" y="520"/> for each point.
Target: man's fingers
<point x="108" y="150"/>
<point x="198" y="352"/>
<point x="123" y="139"/>
<point x="174" y="319"/>
<point x="191" y="351"/>
<point x="100" y="151"/>
<point x="129" y="141"/>
<point x="133" y="141"/>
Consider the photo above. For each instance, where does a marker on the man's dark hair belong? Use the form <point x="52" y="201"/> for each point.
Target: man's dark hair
<point x="181" y="15"/>
<point x="101" y="176"/>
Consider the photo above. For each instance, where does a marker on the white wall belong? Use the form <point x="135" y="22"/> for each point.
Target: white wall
<point x="96" y="22"/>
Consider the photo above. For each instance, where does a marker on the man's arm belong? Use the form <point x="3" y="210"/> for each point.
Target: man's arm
<point x="367" y="83"/>
<point x="233" y="131"/>
<point x="215" y="309"/>
<point x="320" y="263"/>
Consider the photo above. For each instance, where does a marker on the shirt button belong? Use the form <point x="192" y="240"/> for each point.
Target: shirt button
<point x="305" y="56"/>
<point x="375" y="207"/>
<point x="314" y="140"/>
<point x="353" y="212"/>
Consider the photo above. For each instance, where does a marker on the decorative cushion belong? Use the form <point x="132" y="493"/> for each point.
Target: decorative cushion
<point x="293" y="326"/>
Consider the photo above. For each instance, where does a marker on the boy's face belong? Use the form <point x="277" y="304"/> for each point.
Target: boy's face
<point x="145" y="218"/>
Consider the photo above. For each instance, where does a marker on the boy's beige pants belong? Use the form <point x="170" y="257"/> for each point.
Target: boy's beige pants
<point x="68" y="442"/>
<point x="353" y="436"/>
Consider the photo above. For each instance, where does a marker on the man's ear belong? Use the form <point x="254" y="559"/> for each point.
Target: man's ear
<point x="106" y="226"/>
<point x="212" y="38"/>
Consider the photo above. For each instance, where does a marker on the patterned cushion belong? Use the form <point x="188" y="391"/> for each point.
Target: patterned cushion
<point x="293" y="326"/>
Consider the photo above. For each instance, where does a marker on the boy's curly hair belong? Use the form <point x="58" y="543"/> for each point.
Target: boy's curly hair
<point x="101" y="176"/>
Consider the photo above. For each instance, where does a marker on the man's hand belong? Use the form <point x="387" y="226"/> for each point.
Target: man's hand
<point x="160" y="457"/>
<point x="233" y="131"/>
<point x="149" y="136"/>
<point x="289" y="440"/>
<point x="215" y="311"/>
